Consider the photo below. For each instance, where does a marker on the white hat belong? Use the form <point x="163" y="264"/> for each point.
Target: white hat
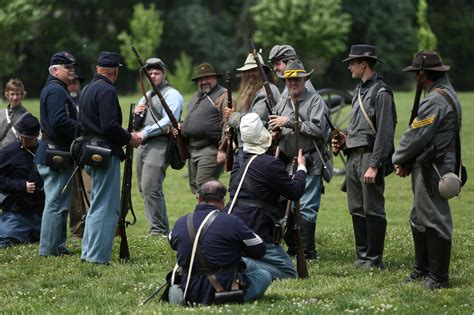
<point x="256" y="138"/>
<point x="449" y="185"/>
<point x="250" y="63"/>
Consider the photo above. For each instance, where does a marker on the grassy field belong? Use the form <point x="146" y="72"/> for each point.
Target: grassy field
<point x="31" y="284"/>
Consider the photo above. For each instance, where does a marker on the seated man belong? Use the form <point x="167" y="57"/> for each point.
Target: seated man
<point x="21" y="192"/>
<point x="257" y="202"/>
<point x="222" y="245"/>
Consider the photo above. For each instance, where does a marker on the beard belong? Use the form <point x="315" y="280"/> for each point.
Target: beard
<point x="205" y="89"/>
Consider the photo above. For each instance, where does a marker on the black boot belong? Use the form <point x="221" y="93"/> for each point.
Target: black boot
<point x="439" y="255"/>
<point x="420" y="270"/>
<point x="360" y="235"/>
<point x="376" y="227"/>
<point x="308" y="230"/>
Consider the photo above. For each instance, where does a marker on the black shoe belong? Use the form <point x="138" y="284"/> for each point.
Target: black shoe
<point x="415" y="275"/>
<point x="377" y="264"/>
<point x="376" y="227"/>
<point x="433" y="284"/>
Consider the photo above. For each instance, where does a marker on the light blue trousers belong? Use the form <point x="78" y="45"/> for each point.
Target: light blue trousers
<point x="56" y="208"/>
<point x="311" y="199"/>
<point x="259" y="282"/>
<point x="276" y="261"/>
<point x="104" y="212"/>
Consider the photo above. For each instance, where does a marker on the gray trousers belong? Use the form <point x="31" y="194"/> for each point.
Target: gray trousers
<point x="151" y="172"/>
<point x="429" y="211"/>
<point x="364" y="199"/>
<point x="202" y="167"/>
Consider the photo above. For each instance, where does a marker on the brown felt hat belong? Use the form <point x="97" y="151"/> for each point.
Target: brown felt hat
<point x="433" y="62"/>
<point x="362" y="51"/>
<point x="205" y="70"/>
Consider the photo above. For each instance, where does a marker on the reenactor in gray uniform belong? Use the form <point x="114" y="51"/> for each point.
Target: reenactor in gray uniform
<point x="152" y="159"/>
<point x="14" y="94"/>
<point x="252" y="97"/>
<point x="203" y="127"/>
<point x="427" y="150"/>
<point x="368" y="144"/>
<point x="279" y="57"/>
<point x="313" y="139"/>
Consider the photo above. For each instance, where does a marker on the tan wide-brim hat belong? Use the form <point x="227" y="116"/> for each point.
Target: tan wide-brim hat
<point x="256" y="137"/>
<point x="295" y="69"/>
<point x="432" y="62"/>
<point x="250" y="63"/>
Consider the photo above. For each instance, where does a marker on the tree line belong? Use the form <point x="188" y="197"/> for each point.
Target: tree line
<point x="187" y="32"/>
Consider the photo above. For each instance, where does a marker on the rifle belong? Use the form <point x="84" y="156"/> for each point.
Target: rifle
<point x="268" y="91"/>
<point x="182" y="148"/>
<point x="126" y="195"/>
<point x="301" y="265"/>
<point x="419" y="89"/>
<point x="231" y="132"/>
<point x="335" y="133"/>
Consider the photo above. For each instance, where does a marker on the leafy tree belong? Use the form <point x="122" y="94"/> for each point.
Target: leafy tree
<point x="146" y="30"/>
<point x="18" y="27"/>
<point x="426" y="37"/>
<point x="317" y="29"/>
<point x="453" y="23"/>
<point x="184" y="71"/>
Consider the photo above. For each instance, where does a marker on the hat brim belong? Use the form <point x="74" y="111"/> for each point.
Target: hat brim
<point x="353" y="57"/>
<point x="27" y="136"/>
<point x="260" y="148"/>
<point x="442" y="68"/>
<point x="298" y="75"/>
<point x="208" y="74"/>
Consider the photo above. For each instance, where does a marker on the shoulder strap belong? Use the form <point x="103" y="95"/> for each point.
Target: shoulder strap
<point x="195" y="237"/>
<point x="240" y="183"/>
<point x="457" y="134"/>
<point x="364" y="112"/>
<point x="10" y="125"/>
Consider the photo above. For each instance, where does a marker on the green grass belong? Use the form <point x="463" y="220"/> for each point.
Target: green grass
<point x="30" y="284"/>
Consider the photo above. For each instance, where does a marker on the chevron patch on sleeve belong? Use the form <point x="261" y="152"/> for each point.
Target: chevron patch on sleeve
<point x="424" y="122"/>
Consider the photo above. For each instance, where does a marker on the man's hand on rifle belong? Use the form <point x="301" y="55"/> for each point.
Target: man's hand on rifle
<point x="221" y="156"/>
<point x="227" y="112"/>
<point x="277" y="121"/>
<point x="338" y="140"/>
<point x="402" y="171"/>
<point x="301" y="159"/>
<point x="140" y="108"/>
<point x="174" y="131"/>
<point x="136" y="139"/>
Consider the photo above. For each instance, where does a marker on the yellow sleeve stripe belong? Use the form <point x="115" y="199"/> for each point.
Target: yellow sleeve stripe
<point x="424" y="122"/>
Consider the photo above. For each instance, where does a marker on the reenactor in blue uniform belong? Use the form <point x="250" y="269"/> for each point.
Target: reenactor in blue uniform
<point x="101" y="117"/>
<point x="368" y="145"/>
<point x="21" y="187"/>
<point x="257" y="202"/>
<point x="221" y="249"/>
<point x="313" y="139"/>
<point x="58" y="119"/>
<point x="427" y="150"/>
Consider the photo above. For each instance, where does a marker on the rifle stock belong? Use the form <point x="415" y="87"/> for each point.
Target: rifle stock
<point x="301" y="265"/>
<point x="229" y="161"/>
<point x="182" y="148"/>
<point x="126" y="195"/>
<point x="263" y="75"/>
<point x="419" y="89"/>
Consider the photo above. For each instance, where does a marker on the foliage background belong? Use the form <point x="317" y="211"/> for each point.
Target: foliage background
<point x="217" y="31"/>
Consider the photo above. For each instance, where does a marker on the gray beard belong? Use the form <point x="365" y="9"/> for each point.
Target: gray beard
<point x="205" y="90"/>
